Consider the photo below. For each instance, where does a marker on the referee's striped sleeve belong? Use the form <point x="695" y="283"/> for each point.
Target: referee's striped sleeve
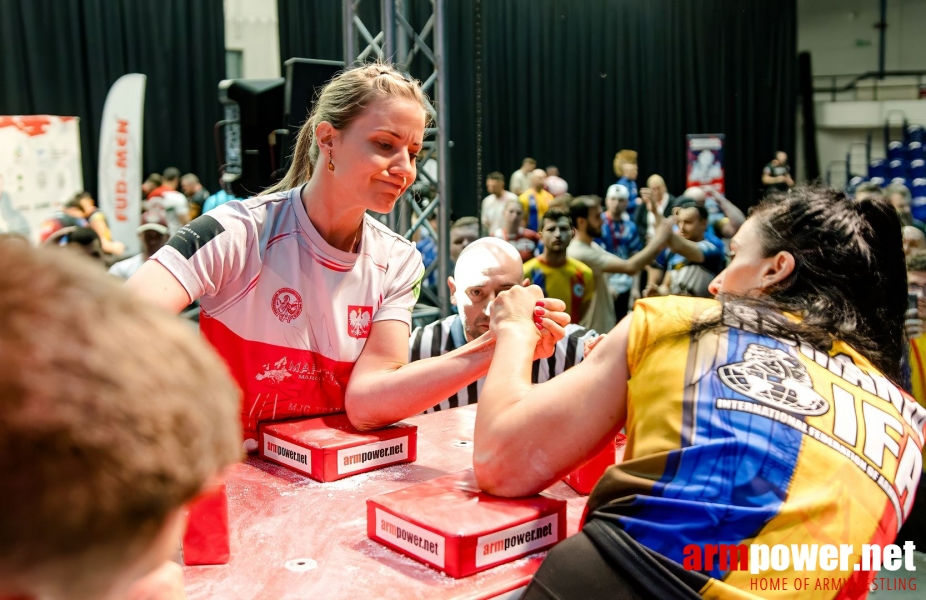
<point x="434" y="339"/>
<point x="414" y="346"/>
<point x="569" y="351"/>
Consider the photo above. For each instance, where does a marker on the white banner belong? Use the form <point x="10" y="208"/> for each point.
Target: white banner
<point x="120" y="173"/>
<point x="40" y="170"/>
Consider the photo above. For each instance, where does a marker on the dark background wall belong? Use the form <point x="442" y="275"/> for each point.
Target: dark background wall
<point x="60" y="57"/>
<point x="569" y="83"/>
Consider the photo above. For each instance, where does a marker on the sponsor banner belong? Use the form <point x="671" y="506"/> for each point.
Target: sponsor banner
<point x="705" y="161"/>
<point x="358" y="458"/>
<point x="40" y="170"/>
<point x="120" y="166"/>
<point x="415" y="540"/>
<point x="516" y="541"/>
<point x="289" y="454"/>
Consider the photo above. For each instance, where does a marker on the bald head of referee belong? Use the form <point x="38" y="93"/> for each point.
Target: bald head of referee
<point x="485" y="268"/>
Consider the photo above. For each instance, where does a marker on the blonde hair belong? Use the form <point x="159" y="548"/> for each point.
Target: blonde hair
<point x="344" y="99"/>
<point x="624" y="156"/>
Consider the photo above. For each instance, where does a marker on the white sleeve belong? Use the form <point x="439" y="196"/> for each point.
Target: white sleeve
<point x="403" y="284"/>
<point x="118" y="270"/>
<point x="179" y="204"/>
<point x="211" y="251"/>
<point x="486" y="218"/>
<point x="594" y="259"/>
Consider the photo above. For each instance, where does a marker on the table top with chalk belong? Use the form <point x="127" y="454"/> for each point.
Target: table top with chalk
<point x="292" y="537"/>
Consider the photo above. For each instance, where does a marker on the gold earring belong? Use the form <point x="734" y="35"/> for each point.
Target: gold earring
<point x="330" y="164"/>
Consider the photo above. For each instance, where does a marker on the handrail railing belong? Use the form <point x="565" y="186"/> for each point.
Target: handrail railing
<point x="875" y="75"/>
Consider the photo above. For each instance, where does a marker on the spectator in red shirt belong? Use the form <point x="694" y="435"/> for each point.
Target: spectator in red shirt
<point x="171" y="204"/>
<point x="170" y="182"/>
<point x="524" y="240"/>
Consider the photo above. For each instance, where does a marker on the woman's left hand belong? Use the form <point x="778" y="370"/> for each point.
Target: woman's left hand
<point x="525" y="307"/>
<point x="590" y="344"/>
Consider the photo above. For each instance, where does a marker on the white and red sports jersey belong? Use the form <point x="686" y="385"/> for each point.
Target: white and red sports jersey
<point x="288" y="312"/>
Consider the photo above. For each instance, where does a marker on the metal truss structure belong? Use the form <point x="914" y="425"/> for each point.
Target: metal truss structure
<point x="399" y="43"/>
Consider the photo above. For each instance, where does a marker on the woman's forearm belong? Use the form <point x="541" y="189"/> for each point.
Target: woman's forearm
<point x="378" y="397"/>
<point x="528" y="436"/>
<point x="498" y="432"/>
<point x="510" y="371"/>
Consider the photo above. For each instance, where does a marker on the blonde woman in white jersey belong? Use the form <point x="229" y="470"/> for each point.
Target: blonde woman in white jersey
<point x="308" y="299"/>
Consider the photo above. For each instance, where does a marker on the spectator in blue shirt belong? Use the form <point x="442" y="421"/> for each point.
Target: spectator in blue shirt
<point x="620" y="237"/>
<point x="218" y="199"/>
<point x="428" y="249"/>
<point x="619" y="234"/>
<point x="724" y="218"/>
<point x="691" y="262"/>
<point x="625" y="167"/>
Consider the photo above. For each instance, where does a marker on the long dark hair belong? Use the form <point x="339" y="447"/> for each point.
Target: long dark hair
<point x="849" y="282"/>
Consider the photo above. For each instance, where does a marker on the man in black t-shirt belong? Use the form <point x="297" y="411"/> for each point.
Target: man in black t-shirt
<point x="195" y="193"/>
<point x="776" y="175"/>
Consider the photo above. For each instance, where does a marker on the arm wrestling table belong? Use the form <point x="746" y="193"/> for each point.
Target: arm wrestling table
<point x="295" y="538"/>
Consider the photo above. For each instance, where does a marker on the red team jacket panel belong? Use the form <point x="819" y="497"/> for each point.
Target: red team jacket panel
<point x="288" y="312"/>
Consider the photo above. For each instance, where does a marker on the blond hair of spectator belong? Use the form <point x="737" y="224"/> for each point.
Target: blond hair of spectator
<point x="624" y="156"/>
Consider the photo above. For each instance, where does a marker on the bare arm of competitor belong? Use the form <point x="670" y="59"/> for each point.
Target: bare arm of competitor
<point x="154" y="283"/>
<point x="655" y="277"/>
<point x="527" y="437"/>
<point x="384" y="387"/>
<point x="772" y="179"/>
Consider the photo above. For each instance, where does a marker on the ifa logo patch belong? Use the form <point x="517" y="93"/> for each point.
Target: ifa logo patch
<point x="359" y="319"/>
<point x="286" y="304"/>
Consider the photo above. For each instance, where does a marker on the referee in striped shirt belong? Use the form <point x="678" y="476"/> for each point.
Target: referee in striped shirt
<point x="485" y="268"/>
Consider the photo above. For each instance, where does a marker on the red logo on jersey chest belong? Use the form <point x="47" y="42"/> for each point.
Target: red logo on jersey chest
<point x="359" y="319"/>
<point x="286" y="304"/>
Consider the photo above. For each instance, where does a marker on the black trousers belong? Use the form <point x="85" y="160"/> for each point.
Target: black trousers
<point x="603" y="561"/>
<point x="574" y="569"/>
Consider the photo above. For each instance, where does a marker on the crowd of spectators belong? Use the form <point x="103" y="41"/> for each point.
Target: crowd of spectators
<point x="596" y="255"/>
<point x="169" y="201"/>
<point x="599" y="256"/>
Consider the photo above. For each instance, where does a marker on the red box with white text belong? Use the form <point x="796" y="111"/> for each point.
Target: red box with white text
<point x="330" y="448"/>
<point x="450" y="525"/>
